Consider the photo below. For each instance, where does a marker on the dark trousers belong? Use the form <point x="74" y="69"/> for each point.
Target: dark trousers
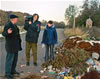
<point x="11" y="62"/>
<point x="47" y="56"/>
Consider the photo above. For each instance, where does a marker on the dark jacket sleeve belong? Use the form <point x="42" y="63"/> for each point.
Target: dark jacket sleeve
<point x="39" y="28"/>
<point x="44" y="37"/>
<point x="20" y="48"/>
<point x="26" y="26"/>
<point x="19" y="36"/>
<point x="5" y="31"/>
<point x="55" y="36"/>
<point x="19" y="40"/>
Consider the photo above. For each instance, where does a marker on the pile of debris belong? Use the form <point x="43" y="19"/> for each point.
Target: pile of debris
<point x="91" y="75"/>
<point x="90" y="46"/>
<point x="71" y="42"/>
<point x="73" y="58"/>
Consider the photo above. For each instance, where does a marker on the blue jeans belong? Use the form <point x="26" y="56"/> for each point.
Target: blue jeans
<point x="11" y="62"/>
<point x="47" y="56"/>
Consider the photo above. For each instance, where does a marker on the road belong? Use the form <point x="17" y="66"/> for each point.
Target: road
<point x="22" y="60"/>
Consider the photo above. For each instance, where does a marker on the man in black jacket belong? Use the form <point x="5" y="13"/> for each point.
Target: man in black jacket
<point x="13" y="45"/>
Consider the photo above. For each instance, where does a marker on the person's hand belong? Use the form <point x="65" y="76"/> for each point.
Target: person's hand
<point x="30" y="22"/>
<point x="9" y="31"/>
<point x="43" y="45"/>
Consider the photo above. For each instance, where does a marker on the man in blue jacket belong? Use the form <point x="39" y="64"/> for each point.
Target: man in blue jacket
<point x="49" y="40"/>
<point x="13" y="45"/>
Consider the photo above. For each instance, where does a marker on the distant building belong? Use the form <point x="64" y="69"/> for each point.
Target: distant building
<point x="89" y="23"/>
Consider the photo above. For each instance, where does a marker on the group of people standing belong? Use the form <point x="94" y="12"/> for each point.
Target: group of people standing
<point x="13" y="42"/>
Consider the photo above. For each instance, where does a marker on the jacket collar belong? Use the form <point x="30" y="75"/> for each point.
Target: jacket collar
<point x="12" y="23"/>
<point x="48" y="27"/>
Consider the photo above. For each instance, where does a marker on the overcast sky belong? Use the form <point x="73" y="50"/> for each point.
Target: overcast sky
<point x="47" y="9"/>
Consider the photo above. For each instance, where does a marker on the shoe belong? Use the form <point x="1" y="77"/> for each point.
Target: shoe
<point x="16" y="74"/>
<point x="8" y="77"/>
<point x="35" y="64"/>
<point x="27" y="64"/>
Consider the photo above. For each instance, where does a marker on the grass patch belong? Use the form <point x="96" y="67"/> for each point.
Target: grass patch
<point x="76" y="32"/>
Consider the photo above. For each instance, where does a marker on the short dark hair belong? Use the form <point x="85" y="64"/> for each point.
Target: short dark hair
<point x="50" y="22"/>
<point x="36" y="15"/>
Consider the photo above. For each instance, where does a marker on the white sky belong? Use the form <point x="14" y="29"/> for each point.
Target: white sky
<point x="47" y="9"/>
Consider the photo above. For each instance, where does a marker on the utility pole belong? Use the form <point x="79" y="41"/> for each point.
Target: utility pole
<point x="74" y="23"/>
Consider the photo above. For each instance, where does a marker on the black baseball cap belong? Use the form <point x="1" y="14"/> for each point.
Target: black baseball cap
<point x="12" y="16"/>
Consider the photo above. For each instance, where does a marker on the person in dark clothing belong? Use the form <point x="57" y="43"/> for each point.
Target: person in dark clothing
<point x="13" y="45"/>
<point x="33" y="30"/>
<point x="49" y="40"/>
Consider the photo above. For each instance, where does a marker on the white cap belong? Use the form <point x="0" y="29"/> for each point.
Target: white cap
<point x="95" y="55"/>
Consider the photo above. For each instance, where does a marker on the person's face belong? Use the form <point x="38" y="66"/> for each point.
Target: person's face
<point x="15" y="20"/>
<point x="49" y="25"/>
<point x="35" y="17"/>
